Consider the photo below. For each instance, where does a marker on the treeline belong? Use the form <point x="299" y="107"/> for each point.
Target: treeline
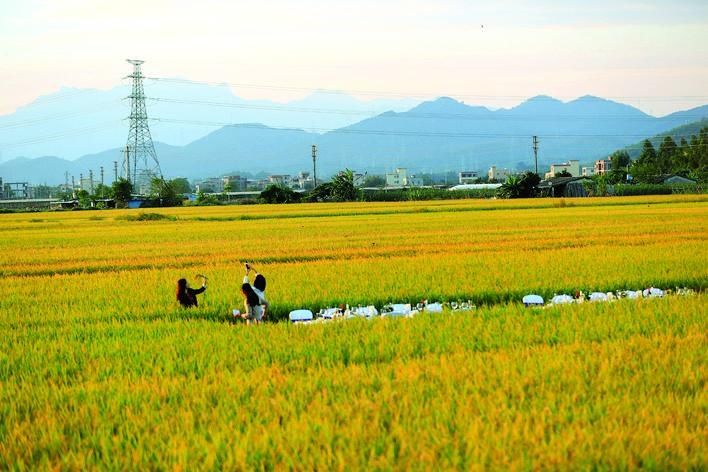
<point x="161" y="193"/>
<point x="687" y="158"/>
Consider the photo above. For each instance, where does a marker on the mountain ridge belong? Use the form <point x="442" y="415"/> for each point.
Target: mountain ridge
<point x="440" y="134"/>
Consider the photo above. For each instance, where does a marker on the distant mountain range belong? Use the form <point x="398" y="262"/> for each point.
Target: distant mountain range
<point x="75" y="122"/>
<point x="442" y="134"/>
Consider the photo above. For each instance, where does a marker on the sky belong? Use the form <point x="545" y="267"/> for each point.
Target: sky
<point x="649" y="54"/>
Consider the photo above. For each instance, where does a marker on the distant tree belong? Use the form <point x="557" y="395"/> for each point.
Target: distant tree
<point x="648" y="154"/>
<point x="228" y="187"/>
<point x="698" y="156"/>
<point x="616" y="176"/>
<point x="530" y="181"/>
<point x="668" y="151"/>
<point x="276" y="193"/>
<point x="374" y="181"/>
<point x="206" y="199"/>
<point x="511" y="188"/>
<point x="600" y="187"/>
<point x="563" y="173"/>
<point x="164" y="193"/>
<point x="700" y="163"/>
<point x="103" y="191"/>
<point x="65" y="195"/>
<point x="620" y="159"/>
<point x="181" y="185"/>
<point x="321" y="193"/>
<point x="646" y="168"/>
<point x="122" y="191"/>
<point x="523" y="186"/>
<point x="84" y="198"/>
<point x="343" y="188"/>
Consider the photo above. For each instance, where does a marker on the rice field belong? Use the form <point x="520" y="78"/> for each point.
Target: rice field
<point x="99" y="367"/>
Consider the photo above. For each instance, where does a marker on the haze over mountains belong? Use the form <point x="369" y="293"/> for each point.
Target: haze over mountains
<point x="441" y="134"/>
<point x="74" y="122"/>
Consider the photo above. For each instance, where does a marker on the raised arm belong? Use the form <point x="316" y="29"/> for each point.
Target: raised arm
<point x="197" y="291"/>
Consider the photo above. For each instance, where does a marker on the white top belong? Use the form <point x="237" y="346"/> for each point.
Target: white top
<point x="261" y="295"/>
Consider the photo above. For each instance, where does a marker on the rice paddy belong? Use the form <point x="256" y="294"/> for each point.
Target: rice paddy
<point x="99" y="367"/>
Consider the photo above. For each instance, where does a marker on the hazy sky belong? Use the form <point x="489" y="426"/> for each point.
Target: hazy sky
<point x="651" y="54"/>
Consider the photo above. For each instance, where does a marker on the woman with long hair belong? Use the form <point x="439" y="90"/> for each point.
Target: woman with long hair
<point x="187" y="296"/>
<point x="252" y="304"/>
<point x="259" y="286"/>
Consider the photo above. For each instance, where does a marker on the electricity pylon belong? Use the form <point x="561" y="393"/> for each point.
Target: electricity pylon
<point x="139" y="150"/>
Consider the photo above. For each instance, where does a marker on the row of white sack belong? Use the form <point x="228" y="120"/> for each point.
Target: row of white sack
<point x="652" y="292"/>
<point x="370" y="311"/>
<point x="407" y="310"/>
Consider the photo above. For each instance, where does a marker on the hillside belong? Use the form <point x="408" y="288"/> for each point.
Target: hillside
<point x="73" y="122"/>
<point x="685" y="132"/>
<point x="438" y="135"/>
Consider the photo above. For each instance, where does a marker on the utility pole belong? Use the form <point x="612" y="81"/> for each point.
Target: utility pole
<point x="81" y="181"/>
<point x="102" y="182"/>
<point x="91" y="180"/>
<point x="66" y="181"/>
<point x="73" y="187"/>
<point x="535" y="152"/>
<point x="314" y="163"/>
<point x="115" y="171"/>
<point x="126" y="163"/>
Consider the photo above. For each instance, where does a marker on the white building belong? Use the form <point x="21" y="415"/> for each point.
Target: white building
<point x="499" y="175"/>
<point x="572" y="167"/>
<point x="86" y="183"/>
<point x="304" y="180"/>
<point x="588" y="171"/>
<point x="415" y="181"/>
<point x="467" y="177"/>
<point x="212" y="184"/>
<point x="281" y="179"/>
<point x="235" y="182"/>
<point x="398" y="178"/>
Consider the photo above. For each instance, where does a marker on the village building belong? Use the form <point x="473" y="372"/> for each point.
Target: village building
<point x="397" y="178"/>
<point x="572" y="167"/>
<point x="498" y="175"/>
<point x="603" y="166"/>
<point x="467" y="177"/>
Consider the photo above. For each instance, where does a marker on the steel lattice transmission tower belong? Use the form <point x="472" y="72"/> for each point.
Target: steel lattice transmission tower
<point x="140" y="162"/>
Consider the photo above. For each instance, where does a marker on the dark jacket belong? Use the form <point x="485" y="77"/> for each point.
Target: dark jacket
<point x="189" y="297"/>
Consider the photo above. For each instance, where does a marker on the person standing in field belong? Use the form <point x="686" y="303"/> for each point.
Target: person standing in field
<point x="258" y="288"/>
<point x="187" y="296"/>
<point x="253" y="309"/>
<point x="259" y="284"/>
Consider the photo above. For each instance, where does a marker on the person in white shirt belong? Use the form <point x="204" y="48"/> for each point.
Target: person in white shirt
<point x="258" y="287"/>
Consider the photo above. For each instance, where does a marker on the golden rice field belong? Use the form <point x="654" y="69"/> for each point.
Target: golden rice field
<point x="100" y="369"/>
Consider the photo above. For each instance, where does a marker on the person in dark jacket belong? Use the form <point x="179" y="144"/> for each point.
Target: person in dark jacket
<point x="187" y="296"/>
